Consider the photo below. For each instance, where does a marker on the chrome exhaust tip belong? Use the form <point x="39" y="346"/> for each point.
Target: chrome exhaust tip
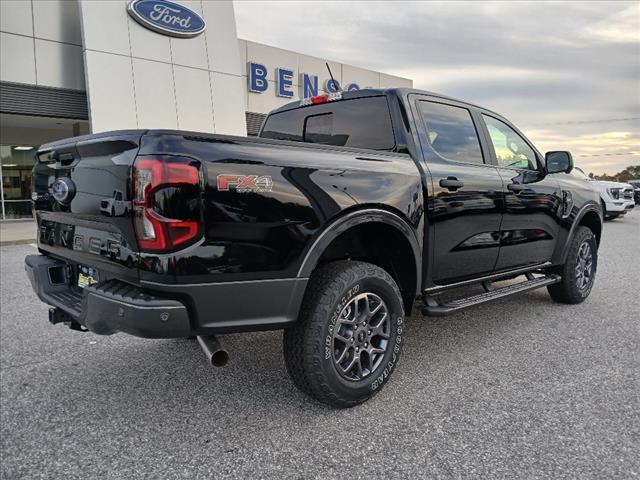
<point x="217" y="356"/>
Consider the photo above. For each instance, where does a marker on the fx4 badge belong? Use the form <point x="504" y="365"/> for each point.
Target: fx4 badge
<point x="245" y="183"/>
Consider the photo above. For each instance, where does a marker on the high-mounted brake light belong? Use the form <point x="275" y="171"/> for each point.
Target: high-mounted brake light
<point x="155" y="232"/>
<point x="318" y="99"/>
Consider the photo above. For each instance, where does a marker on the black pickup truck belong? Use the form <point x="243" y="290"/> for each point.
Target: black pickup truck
<point x="347" y="209"/>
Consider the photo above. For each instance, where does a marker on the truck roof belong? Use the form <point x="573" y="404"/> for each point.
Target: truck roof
<point x="373" y="92"/>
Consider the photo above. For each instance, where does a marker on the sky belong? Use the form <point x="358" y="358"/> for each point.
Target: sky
<point x="566" y="73"/>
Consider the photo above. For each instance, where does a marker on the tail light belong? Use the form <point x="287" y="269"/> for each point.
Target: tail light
<point x="158" y="182"/>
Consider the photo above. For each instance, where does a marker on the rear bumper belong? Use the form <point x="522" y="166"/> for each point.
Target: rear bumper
<point x="166" y="310"/>
<point x="108" y="307"/>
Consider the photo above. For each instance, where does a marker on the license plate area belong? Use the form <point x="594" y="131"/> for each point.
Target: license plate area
<point x="87" y="276"/>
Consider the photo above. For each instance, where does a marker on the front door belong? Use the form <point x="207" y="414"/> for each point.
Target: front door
<point x="464" y="209"/>
<point x="532" y="199"/>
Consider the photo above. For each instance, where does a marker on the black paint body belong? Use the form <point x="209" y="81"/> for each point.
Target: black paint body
<point x="250" y="267"/>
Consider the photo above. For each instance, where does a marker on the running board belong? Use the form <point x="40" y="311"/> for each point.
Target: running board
<point x="488" y="278"/>
<point x="433" y="308"/>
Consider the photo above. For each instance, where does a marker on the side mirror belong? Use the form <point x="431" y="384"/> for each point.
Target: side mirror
<point x="559" y="162"/>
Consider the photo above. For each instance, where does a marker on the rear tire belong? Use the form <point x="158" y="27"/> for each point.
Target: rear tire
<point x="579" y="271"/>
<point x="349" y="335"/>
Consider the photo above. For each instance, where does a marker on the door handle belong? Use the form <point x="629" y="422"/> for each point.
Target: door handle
<point x="452" y="183"/>
<point x="515" y="187"/>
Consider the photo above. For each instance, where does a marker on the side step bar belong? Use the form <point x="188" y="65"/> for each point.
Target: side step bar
<point x="433" y="308"/>
<point x="494" y="277"/>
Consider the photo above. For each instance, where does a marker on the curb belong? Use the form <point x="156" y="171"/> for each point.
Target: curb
<point x="23" y="241"/>
<point x="18" y="220"/>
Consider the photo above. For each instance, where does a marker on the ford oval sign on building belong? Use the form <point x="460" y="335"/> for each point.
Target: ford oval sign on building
<point x="166" y="17"/>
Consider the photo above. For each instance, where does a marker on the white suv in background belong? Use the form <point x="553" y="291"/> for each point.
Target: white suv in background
<point x="616" y="198"/>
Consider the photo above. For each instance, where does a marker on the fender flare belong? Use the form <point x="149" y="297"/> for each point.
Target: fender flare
<point x="340" y="225"/>
<point x="589" y="207"/>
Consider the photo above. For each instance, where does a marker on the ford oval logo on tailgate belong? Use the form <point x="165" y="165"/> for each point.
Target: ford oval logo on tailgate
<point x="63" y="190"/>
<point x="165" y="17"/>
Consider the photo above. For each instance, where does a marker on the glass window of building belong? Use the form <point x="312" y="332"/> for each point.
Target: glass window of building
<point x="17" y="162"/>
<point x="20" y="137"/>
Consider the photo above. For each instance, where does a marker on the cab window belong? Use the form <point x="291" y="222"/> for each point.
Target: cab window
<point x="511" y="149"/>
<point x="359" y="123"/>
<point x="451" y="132"/>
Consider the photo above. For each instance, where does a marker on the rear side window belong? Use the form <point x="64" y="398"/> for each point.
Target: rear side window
<point x="451" y="132"/>
<point x="359" y="123"/>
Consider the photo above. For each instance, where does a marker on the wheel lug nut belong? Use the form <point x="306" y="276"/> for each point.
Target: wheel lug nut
<point x="369" y="332"/>
<point x="366" y="344"/>
<point x="352" y="340"/>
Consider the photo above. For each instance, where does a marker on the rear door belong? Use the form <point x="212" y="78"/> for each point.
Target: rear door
<point x="532" y="199"/>
<point x="464" y="211"/>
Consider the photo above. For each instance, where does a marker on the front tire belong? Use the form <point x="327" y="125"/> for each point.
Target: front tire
<point x="348" y="337"/>
<point x="579" y="271"/>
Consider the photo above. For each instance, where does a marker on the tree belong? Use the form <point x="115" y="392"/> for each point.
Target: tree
<point x="630" y="173"/>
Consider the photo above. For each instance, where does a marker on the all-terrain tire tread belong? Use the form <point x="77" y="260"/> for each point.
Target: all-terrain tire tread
<point x="566" y="291"/>
<point x="301" y="352"/>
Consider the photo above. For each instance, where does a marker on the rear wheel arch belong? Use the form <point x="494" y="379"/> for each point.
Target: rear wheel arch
<point x="376" y="236"/>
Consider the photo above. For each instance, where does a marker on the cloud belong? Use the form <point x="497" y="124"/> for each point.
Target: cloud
<point x="622" y="27"/>
<point x="608" y="151"/>
<point x="540" y="64"/>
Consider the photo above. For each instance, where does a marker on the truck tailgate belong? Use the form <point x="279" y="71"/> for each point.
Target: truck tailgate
<point x="82" y="196"/>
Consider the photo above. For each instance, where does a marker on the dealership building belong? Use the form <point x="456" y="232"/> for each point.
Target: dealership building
<point x="72" y="67"/>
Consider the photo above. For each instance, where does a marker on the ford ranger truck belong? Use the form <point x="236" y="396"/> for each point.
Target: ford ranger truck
<point x="347" y="209"/>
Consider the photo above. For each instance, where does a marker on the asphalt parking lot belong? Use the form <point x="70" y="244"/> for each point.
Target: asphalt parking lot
<point x="520" y="388"/>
